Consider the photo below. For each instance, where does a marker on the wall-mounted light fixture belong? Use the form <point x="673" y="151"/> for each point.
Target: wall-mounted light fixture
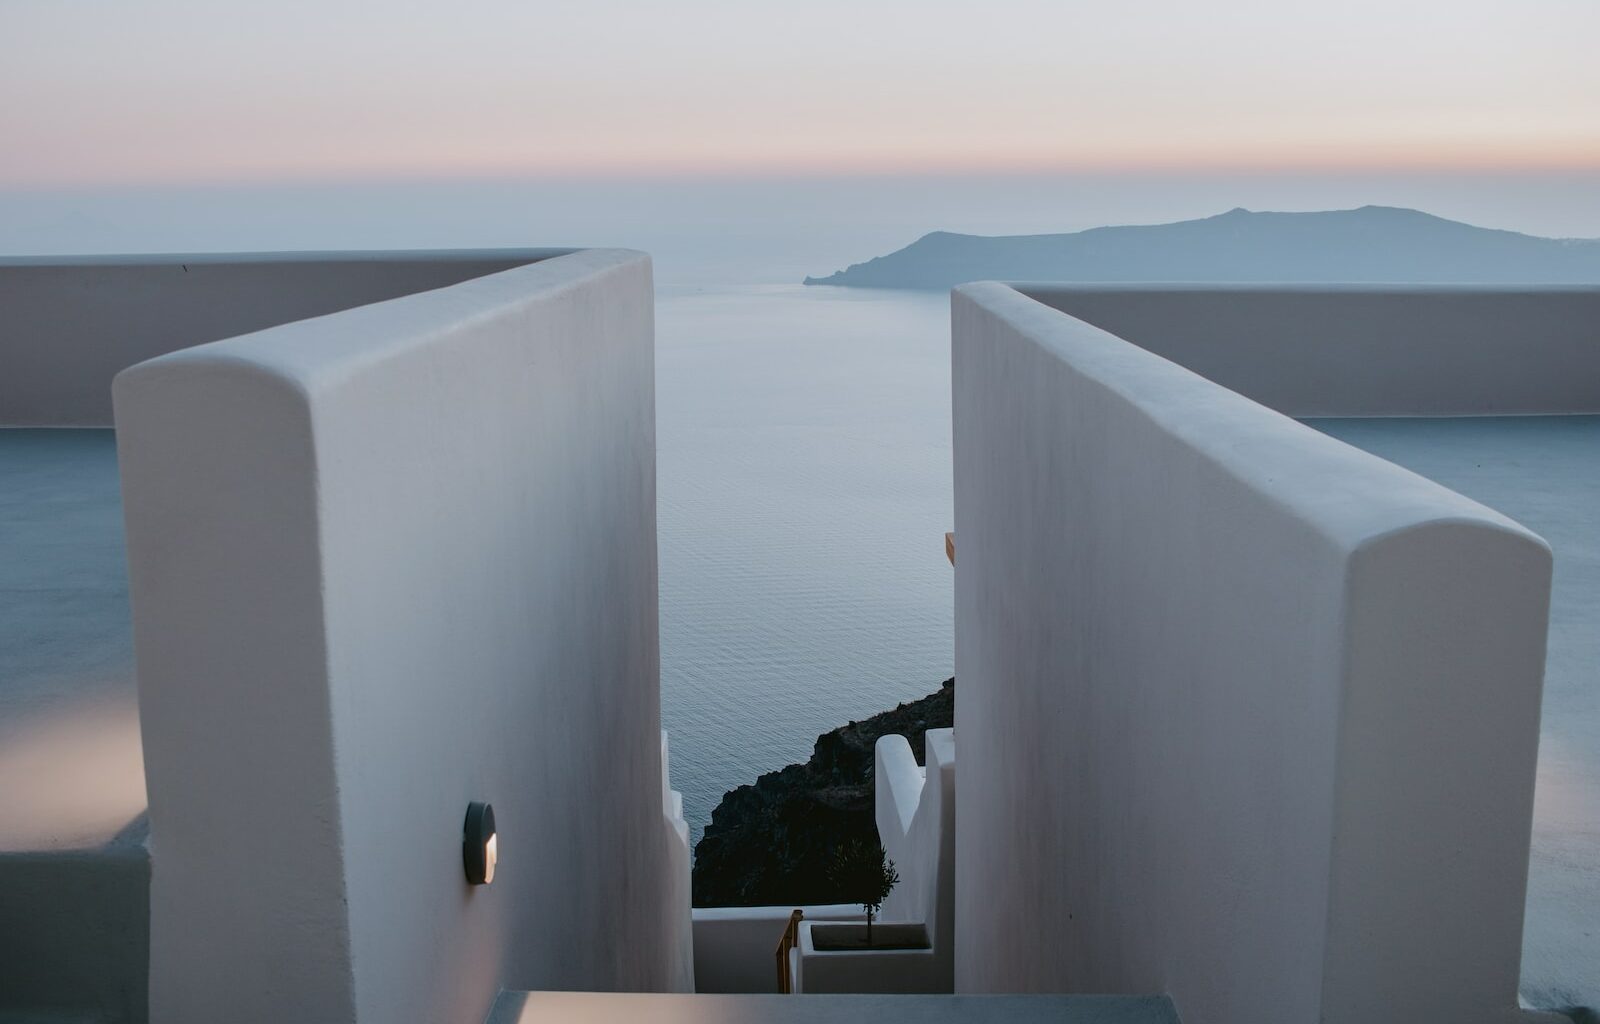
<point x="478" y="844"/>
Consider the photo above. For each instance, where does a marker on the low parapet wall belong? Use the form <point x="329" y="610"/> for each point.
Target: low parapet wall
<point x="915" y="811"/>
<point x="734" y="947"/>
<point x="384" y="563"/>
<point x="68" y="325"/>
<point x="1365" y="351"/>
<point x="1247" y="716"/>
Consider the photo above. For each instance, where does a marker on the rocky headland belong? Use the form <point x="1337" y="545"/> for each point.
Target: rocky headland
<point x="771" y="843"/>
<point x="1372" y="244"/>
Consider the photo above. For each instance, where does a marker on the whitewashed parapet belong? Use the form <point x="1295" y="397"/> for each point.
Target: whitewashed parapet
<point x="1365" y="350"/>
<point x="916" y="817"/>
<point x="71" y="323"/>
<point x="734" y="947"/>
<point x="383" y="563"/>
<point x="678" y="951"/>
<point x="1247" y="716"/>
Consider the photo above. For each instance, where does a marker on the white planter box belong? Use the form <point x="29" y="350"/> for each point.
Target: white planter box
<point x="878" y="969"/>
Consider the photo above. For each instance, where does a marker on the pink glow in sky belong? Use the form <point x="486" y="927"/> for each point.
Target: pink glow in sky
<point x="181" y="90"/>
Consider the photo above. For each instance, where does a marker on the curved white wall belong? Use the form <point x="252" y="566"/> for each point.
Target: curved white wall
<point x="1246" y="715"/>
<point x="1365" y="351"/>
<point x="69" y="324"/>
<point x="384" y="563"/>
<point x="916" y="811"/>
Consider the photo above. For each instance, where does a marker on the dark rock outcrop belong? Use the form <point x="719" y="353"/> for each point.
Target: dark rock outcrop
<point x="771" y="843"/>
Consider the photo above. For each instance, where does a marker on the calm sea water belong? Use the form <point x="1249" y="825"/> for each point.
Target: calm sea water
<point x="804" y="433"/>
<point x="804" y="491"/>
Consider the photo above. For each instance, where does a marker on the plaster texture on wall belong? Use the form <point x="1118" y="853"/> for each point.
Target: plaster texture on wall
<point x="1247" y="716"/>
<point x="677" y="893"/>
<point x="384" y="563"/>
<point x="69" y="324"/>
<point x="1544" y="471"/>
<point x="1365" y="351"/>
<point x="916" y="816"/>
<point x="819" y="971"/>
<point x="735" y="947"/>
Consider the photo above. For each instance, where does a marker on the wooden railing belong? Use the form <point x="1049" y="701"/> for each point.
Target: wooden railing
<point x="791" y="935"/>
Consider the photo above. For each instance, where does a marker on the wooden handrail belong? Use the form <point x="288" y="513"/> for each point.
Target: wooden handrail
<point x="791" y="935"/>
<point x="950" y="547"/>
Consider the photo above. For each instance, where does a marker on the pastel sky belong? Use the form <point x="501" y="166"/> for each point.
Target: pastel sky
<point x="211" y="90"/>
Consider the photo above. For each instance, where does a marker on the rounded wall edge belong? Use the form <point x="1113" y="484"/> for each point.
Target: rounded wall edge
<point x="1445" y="631"/>
<point x="219" y="495"/>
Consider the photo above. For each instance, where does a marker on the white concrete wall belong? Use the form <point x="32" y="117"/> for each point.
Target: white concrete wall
<point x="69" y="324"/>
<point x="384" y="563"/>
<point x="916" y="817"/>
<point x="677" y="897"/>
<point x="1365" y="351"/>
<point x="734" y="947"/>
<point x="1246" y="715"/>
<point x="837" y="971"/>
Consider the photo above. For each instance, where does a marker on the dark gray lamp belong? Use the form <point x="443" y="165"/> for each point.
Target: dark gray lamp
<point x="478" y="844"/>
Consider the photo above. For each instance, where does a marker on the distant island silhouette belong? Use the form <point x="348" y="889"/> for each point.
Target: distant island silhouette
<point x="1373" y="244"/>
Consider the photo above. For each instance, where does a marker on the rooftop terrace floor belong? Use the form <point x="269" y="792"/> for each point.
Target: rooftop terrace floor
<point x="71" y="777"/>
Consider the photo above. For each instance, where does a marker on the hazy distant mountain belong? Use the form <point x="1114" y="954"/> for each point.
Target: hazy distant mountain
<point x="1372" y="244"/>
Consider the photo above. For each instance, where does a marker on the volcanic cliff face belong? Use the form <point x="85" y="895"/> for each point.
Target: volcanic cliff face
<point x="771" y="843"/>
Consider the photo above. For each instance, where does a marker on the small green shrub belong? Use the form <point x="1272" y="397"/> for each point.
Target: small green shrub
<point x="865" y="874"/>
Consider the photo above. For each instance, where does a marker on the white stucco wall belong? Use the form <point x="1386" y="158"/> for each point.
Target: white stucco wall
<point x="915" y="811"/>
<point x="835" y="971"/>
<point x="735" y="947"/>
<point x="677" y="892"/>
<point x="1246" y="715"/>
<point x="384" y="563"/>
<point x="1363" y="350"/>
<point x="69" y="324"/>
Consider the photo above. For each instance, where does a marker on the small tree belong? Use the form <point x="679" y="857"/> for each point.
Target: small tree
<point x="864" y="875"/>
